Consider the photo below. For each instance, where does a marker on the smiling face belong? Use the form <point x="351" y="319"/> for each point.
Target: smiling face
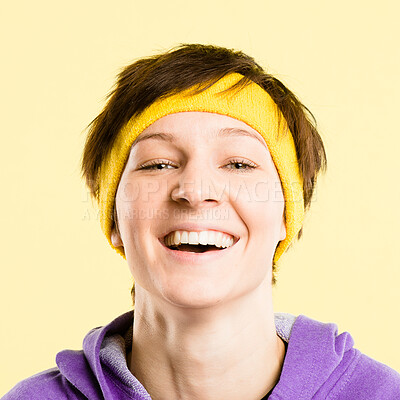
<point x="195" y="172"/>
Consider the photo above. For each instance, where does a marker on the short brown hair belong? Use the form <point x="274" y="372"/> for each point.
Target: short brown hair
<point x="200" y="66"/>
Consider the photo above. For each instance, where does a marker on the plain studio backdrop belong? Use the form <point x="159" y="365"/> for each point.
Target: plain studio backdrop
<point x="59" y="277"/>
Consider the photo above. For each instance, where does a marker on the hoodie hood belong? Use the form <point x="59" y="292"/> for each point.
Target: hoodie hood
<point x="99" y="371"/>
<point x="316" y="358"/>
<point x="318" y="364"/>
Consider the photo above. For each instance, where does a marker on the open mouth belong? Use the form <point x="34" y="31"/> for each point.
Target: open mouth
<point x="204" y="241"/>
<point x="196" y="248"/>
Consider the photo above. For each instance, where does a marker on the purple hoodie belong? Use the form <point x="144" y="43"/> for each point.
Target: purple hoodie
<point x="319" y="364"/>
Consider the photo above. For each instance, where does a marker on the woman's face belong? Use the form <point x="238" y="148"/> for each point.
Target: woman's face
<point x="195" y="172"/>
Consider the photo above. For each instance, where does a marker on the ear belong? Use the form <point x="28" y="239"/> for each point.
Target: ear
<point x="283" y="229"/>
<point x="116" y="238"/>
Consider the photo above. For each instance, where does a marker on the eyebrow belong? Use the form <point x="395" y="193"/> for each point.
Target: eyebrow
<point x="225" y="132"/>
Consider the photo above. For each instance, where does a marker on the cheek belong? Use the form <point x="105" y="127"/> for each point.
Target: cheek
<point x="269" y="196"/>
<point x="269" y="192"/>
<point x="129" y="206"/>
<point x="139" y="204"/>
<point x="262" y="210"/>
<point x="140" y="199"/>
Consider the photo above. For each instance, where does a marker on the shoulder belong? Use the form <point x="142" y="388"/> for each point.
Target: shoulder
<point x="372" y="378"/>
<point x="321" y="362"/>
<point x="46" y="385"/>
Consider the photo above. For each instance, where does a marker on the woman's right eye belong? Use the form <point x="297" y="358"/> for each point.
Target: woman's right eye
<point x="156" y="164"/>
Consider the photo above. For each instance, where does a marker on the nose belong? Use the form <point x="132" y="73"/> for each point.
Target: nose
<point x="198" y="187"/>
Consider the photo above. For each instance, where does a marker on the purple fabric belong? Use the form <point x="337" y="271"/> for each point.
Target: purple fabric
<point x="319" y="364"/>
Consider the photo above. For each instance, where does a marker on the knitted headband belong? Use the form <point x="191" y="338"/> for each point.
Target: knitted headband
<point x="253" y="106"/>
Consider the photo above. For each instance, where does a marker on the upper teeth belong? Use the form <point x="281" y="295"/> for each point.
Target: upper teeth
<point x="218" y="239"/>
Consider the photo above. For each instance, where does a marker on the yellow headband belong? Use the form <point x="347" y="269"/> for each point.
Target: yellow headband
<point x="253" y="106"/>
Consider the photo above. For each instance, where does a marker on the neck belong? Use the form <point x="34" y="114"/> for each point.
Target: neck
<point x="228" y="351"/>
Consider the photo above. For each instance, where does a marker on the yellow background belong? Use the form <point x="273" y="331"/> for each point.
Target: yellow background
<point x="59" y="277"/>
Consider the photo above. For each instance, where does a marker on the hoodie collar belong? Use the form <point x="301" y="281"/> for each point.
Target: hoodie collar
<point x="84" y="369"/>
<point x="105" y="349"/>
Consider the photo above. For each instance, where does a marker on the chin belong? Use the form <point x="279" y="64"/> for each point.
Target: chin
<point x="195" y="298"/>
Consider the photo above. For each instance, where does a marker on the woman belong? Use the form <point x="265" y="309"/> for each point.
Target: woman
<point x="203" y="166"/>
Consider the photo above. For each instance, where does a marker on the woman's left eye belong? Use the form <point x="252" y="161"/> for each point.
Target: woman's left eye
<point x="242" y="165"/>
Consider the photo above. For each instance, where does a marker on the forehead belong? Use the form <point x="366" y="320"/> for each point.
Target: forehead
<point x="202" y="126"/>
